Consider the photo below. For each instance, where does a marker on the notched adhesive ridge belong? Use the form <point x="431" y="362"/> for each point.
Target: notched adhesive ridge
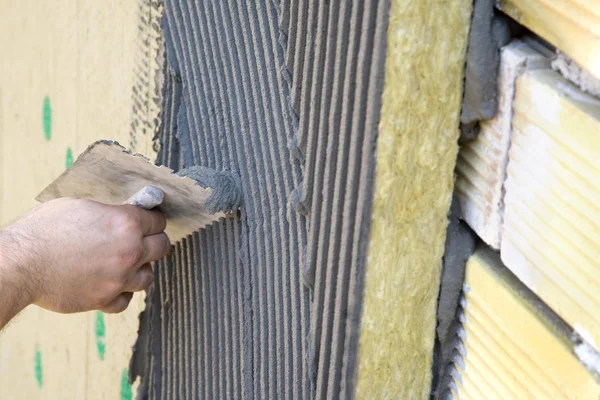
<point x="227" y="187"/>
<point x="449" y="348"/>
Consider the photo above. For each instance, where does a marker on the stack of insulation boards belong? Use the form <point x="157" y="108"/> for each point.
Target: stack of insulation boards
<point x="529" y="185"/>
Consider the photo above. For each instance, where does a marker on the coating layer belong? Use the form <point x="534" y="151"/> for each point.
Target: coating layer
<point x="337" y="96"/>
<point x="287" y="96"/>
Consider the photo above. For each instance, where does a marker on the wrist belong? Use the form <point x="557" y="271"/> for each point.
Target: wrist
<point x="15" y="292"/>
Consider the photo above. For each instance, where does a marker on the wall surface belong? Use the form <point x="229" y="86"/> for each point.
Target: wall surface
<point x="66" y="79"/>
<point x="287" y="95"/>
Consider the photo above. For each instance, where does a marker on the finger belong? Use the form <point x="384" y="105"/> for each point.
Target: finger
<point x="119" y="304"/>
<point x="156" y="247"/>
<point x="151" y="221"/>
<point x="141" y="280"/>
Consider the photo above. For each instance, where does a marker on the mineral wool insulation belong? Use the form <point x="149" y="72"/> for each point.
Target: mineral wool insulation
<point x="287" y="95"/>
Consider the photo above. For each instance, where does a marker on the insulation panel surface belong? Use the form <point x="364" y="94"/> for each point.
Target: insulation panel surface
<point x="416" y="155"/>
<point x="513" y="346"/>
<point x="287" y="94"/>
<point x="552" y="205"/>
<point x="573" y="26"/>
<point x="481" y="165"/>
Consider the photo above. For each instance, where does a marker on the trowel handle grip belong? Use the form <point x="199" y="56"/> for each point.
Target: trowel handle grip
<point x="147" y="198"/>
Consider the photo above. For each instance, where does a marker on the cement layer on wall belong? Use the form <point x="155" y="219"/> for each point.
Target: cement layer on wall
<point x="416" y="154"/>
<point x="287" y="95"/>
<point x="66" y="79"/>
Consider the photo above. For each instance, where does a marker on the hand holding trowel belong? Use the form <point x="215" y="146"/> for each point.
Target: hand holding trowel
<point x="190" y="200"/>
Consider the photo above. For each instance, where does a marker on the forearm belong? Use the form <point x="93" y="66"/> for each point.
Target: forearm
<point x="14" y="294"/>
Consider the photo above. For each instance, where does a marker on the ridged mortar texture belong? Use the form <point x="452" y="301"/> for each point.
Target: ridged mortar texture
<point x="338" y="96"/>
<point x="416" y="154"/>
<point x="230" y="312"/>
<point x="287" y="95"/>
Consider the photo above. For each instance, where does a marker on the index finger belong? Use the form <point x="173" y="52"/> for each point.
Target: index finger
<point x="151" y="221"/>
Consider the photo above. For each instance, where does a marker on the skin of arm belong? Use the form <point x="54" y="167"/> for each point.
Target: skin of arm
<point x="71" y="255"/>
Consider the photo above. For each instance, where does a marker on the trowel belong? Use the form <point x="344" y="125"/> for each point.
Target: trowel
<point x="190" y="199"/>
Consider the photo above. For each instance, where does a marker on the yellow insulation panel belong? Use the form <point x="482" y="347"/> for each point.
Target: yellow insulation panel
<point x="481" y="165"/>
<point x="416" y="154"/>
<point x="573" y="26"/>
<point x="552" y="204"/>
<point x="514" y="348"/>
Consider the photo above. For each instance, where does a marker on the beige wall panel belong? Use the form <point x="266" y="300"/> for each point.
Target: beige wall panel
<point x="66" y="79"/>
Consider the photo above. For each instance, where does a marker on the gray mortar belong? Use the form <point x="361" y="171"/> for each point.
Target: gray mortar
<point x="579" y="76"/>
<point x="239" y="333"/>
<point x="227" y="188"/>
<point x="488" y="33"/>
<point x="288" y="94"/>
<point x="460" y="245"/>
<point x="139" y="361"/>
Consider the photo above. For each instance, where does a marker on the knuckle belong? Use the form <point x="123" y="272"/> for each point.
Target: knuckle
<point x="162" y="245"/>
<point x="142" y="280"/>
<point x="133" y="254"/>
<point x="146" y="279"/>
<point x="167" y="244"/>
<point x="128" y="223"/>
<point x="112" y="289"/>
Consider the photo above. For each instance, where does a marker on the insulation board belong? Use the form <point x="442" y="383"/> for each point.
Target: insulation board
<point x="286" y="94"/>
<point x="416" y="154"/>
<point x="481" y="165"/>
<point x="573" y="26"/>
<point x="513" y="346"/>
<point x="551" y="225"/>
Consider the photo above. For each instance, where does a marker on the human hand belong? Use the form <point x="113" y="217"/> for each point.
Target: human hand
<point x="70" y="255"/>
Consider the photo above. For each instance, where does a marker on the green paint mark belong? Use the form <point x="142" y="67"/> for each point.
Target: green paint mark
<point x="126" y="392"/>
<point x="69" y="160"/>
<point x="47" y="118"/>
<point x="39" y="373"/>
<point x="100" y="334"/>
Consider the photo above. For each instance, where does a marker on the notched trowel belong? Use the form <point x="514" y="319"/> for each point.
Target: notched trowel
<point x="190" y="200"/>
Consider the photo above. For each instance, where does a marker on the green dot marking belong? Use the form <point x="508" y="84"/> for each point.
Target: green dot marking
<point x="47" y="118"/>
<point x="100" y="334"/>
<point x="126" y="392"/>
<point x="69" y="160"/>
<point x="39" y="373"/>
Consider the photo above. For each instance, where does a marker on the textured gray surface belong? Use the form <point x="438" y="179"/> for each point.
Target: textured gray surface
<point x="287" y="96"/>
<point x="226" y="187"/>
<point x="449" y="349"/>
<point x="488" y="33"/>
